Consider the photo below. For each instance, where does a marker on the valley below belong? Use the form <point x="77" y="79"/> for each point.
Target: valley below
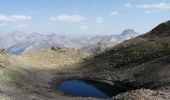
<point x="142" y="64"/>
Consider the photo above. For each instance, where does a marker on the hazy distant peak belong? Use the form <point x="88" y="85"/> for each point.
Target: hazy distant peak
<point x="51" y="35"/>
<point x="128" y="31"/>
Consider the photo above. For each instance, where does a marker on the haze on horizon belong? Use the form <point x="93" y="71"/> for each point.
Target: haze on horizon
<point x="71" y="17"/>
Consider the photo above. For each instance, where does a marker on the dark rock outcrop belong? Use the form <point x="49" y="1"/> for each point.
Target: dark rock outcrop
<point x="159" y="31"/>
<point x="2" y="51"/>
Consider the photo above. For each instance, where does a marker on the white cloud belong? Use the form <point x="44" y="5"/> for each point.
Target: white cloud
<point x="68" y="18"/>
<point x="152" y="11"/>
<point x="99" y="20"/>
<point x="114" y="13"/>
<point x="128" y="6"/>
<point x="22" y="26"/>
<point x="84" y="27"/>
<point x="3" y="24"/>
<point x="14" y="18"/>
<point x="155" y="6"/>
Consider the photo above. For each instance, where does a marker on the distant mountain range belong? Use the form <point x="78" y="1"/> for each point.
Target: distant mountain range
<point x="108" y="42"/>
<point x="18" y="43"/>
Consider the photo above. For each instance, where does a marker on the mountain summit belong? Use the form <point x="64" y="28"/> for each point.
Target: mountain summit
<point x="129" y="32"/>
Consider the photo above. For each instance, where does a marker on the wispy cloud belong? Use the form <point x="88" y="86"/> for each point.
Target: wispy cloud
<point x="128" y="6"/>
<point x="84" y="27"/>
<point x="68" y="18"/>
<point x="114" y="13"/>
<point x="155" y="6"/>
<point x="152" y="11"/>
<point x="99" y="20"/>
<point x="3" y="24"/>
<point x="14" y="18"/>
<point x="150" y="8"/>
<point x="22" y="26"/>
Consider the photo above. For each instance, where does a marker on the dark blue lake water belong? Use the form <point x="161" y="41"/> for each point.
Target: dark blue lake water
<point x="88" y="88"/>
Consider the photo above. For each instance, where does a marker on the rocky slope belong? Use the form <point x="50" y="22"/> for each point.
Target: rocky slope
<point x="161" y="30"/>
<point x="143" y="94"/>
<point x="142" y="62"/>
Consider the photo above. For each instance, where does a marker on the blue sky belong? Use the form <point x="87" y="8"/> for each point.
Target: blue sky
<point x="82" y="17"/>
